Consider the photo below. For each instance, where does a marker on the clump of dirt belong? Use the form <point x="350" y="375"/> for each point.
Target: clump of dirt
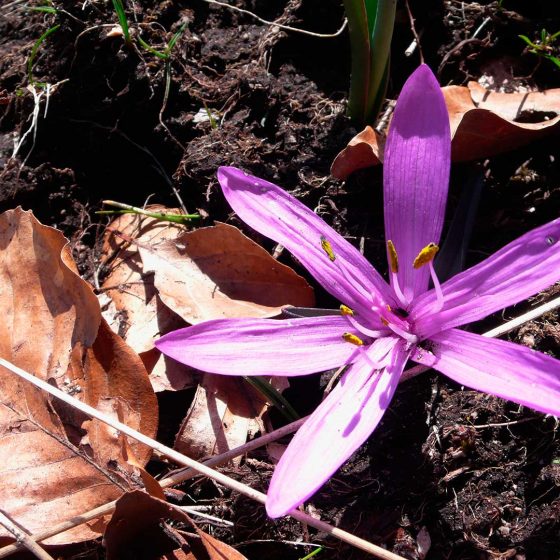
<point x="476" y="476"/>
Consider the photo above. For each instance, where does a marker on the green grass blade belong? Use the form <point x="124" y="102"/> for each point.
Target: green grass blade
<point x="45" y="9"/>
<point x="553" y="59"/>
<point x="35" y="49"/>
<point x="314" y="553"/>
<point x="274" y="397"/>
<point x="370" y="25"/>
<point x="360" y="47"/>
<point x="155" y="52"/>
<point x="380" y="51"/>
<point x="528" y="41"/>
<point x="175" y="38"/>
<point x="123" y="21"/>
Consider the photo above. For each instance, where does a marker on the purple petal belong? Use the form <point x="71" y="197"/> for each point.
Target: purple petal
<point x="261" y="346"/>
<point x="519" y="270"/>
<point x="500" y="368"/>
<point x="416" y="175"/>
<point x="342" y="422"/>
<point x="278" y="215"/>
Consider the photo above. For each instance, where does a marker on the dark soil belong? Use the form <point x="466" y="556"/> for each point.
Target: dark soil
<point x="479" y="475"/>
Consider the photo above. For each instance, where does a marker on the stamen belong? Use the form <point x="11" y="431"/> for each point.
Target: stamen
<point x="347" y="273"/>
<point x="409" y="337"/>
<point x="394" y="269"/>
<point x="364" y="330"/>
<point x="352" y="339"/>
<point x="393" y="257"/>
<point x="327" y="247"/>
<point x="437" y="287"/>
<point x="387" y="315"/>
<point x="426" y="255"/>
<point x="345" y="310"/>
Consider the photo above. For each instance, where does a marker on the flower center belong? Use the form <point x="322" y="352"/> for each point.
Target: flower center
<point x="384" y="320"/>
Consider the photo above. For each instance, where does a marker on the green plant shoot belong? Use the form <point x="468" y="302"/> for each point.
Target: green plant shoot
<point x="123" y="21"/>
<point x="163" y="216"/>
<point x="34" y="50"/>
<point x="545" y="47"/>
<point x="370" y="23"/>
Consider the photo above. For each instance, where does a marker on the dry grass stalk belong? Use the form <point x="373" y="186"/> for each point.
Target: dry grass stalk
<point x="24" y="539"/>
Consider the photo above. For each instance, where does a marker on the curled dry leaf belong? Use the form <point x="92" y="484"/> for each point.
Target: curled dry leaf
<point x="138" y="529"/>
<point x="53" y="328"/>
<point x="218" y="272"/>
<point x="483" y="124"/>
<point x="134" y="309"/>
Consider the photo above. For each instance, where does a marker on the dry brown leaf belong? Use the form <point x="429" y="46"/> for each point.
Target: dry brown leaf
<point x="218" y="272"/>
<point x="217" y="550"/>
<point x="223" y="412"/>
<point x="51" y="329"/>
<point x="483" y="124"/>
<point x="135" y="311"/>
<point x="136" y="530"/>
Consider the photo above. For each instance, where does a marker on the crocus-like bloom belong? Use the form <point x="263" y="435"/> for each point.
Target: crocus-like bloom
<point x="381" y="325"/>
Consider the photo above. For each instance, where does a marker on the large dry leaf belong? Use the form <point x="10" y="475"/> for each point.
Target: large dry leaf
<point x="486" y="123"/>
<point x="53" y="328"/>
<point x="218" y="272"/>
<point x="483" y="124"/>
<point x="134" y="309"/>
<point x="138" y="530"/>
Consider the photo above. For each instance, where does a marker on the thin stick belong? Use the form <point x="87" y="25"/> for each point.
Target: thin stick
<point x="185" y="474"/>
<point x="199" y="467"/>
<point x="416" y="36"/>
<point x="525" y="318"/>
<point x="496" y="332"/>
<point x="279" y="25"/>
<point x="23" y="538"/>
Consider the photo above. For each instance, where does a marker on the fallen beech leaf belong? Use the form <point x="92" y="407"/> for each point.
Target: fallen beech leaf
<point x="135" y="311"/>
<point x="113" y="379"/>
<point x="137" y="530"/>
<point x="217" y="272"/>
<point x="53" y="328"/>
<point x="151" y="485"/>
<point x="483" y="124"/>
<point x="529" y="108"/>
<point x="217" y="550"/>
<point x="137" y="316"/>
<point x="223" y="412"/>
<point x="364" y="150"/>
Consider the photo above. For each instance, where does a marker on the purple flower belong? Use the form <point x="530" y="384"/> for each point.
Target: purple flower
<point x="382" y="325"/>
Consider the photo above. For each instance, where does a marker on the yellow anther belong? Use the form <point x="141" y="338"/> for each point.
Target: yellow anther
<point x="388" y="307"/>
<point x="393" y="257"/>
<point x="352" y="339"/>
<point x="426" y="255"/>
<point x="384" y="321"/>
<point x="327" y="247"/>
<point x="345" y="310"/>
